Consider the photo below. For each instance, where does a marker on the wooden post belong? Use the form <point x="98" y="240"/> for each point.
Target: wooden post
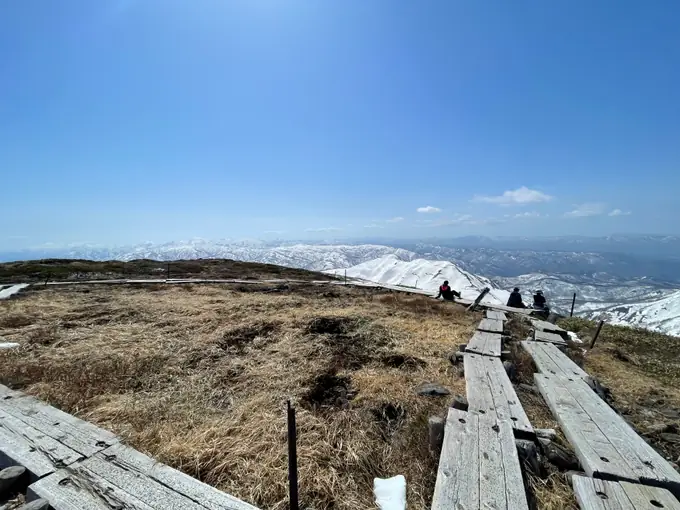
<point x="292" y="459"/>
<point x="345" y="276"/>
<point x="597" y="333"/>
<point x="168" y="277"/>
<point x="573" y="302"/>
<point x="484" y="292"/>
<point x="436" y="434"/>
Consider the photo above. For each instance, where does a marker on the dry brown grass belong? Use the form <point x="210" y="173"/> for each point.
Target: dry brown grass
<point x="198" y="377"/>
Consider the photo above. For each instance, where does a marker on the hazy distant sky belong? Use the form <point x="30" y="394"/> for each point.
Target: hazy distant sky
<point x="131" y="120"/>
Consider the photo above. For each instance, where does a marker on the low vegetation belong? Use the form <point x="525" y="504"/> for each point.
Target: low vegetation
<point x="65" y="269"/>
<point x="199" y="376"/>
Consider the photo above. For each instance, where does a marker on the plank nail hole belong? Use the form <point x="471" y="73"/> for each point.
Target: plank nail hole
<point x="109" y="458"/>
<point x="65" y="481"/>
<point x="570" y="379"/>
<point x="101" y="444"/>
<point x="495" y="428"/>
<point x="648" y="464"/>
<point x="482" y="411"/>
<point x="513" y="418"/>
<point x="461" y="420"/>
<point x="6" y="397"/>
<point x="31" y="449"/>
<point x="602" y="495"/>
<point x="656" y="503"/>
<point x="55" y="424"/>
<point x="604" y="459"/>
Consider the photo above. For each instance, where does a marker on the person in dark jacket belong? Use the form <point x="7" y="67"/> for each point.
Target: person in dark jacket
<point x="539" y="299"/>
<point x="446" y="292"/>
<point x="515" y="299"/>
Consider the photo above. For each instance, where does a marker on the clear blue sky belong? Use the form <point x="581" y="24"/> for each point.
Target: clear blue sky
<point x="132" y="120"/>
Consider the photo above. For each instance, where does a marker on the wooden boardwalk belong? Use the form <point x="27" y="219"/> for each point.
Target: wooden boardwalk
<point x="479" y="466"/>
<point x="491" y="326"/>
<point x="490" y="392"/>
<point x="487" y="344"/>
<point x="546" y="336"/>
<point x="547" y="326"/>
<point x="496" y="315"/>
<point x="550" y="360"/>
<point x="594" y="494"/>
<point x="77" y="466"/>
<point x="606" y="446"/>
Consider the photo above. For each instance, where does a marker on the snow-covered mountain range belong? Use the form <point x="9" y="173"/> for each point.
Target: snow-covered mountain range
<point x="620" y="287"/>
<point x="423" y="274"/>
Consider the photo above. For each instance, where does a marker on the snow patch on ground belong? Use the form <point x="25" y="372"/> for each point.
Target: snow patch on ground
<point x="11" y="290"/>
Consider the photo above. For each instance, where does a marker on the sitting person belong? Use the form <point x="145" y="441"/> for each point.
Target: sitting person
<point x="539" y="300"/>
<point x="515" y="299"/>
<point x="447" y="293"/>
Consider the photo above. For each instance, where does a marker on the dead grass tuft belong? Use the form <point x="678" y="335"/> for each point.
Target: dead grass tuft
<point x="199" y="380"/>
<point x="553" y="493"/>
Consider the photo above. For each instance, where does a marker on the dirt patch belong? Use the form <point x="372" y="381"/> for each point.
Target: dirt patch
<point x="331" y="325"/>
<point x="256" y="334"/>
<point x="402" y="361"/>
<point x="15" y="320"/>
<point x="328" y="391"/>
<point x="389" y="417"/>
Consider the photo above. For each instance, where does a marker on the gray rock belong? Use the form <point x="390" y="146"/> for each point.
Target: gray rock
<point x="671" y="438"/>
<point x="528" y="455"/>
<point x="546" y="433"/>
<point x="510" y="369"/>
<point x="436" y="433"/>
<point x="432" y="390"/>
<point x="529" y="388"/>
<point x="460" y="403"/>
<point x="673" y="414"/>
<point x="658" y="428"/>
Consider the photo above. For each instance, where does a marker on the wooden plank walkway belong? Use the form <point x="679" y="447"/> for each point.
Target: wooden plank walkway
<point x="479" y="466"/>
<point x="491" y="326"/>
<point x="77" y="466"/>
<point x="546" y="336"/>
<point x="120" y="477"/>
<point x="490" y="392"/>
<point x="496" y="315"/>
<point x="547" y="326"/>
<point x="42" y="438"/>
<point x="606" y="446"/>
<point x="487" y="344"/>
<point x="550" y="360"/>
<point x="509" y="309"/>
<point x="595" y="494"/>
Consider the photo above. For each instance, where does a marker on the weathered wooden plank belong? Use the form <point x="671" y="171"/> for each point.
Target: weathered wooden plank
<point x="82" y="490"/>
<point x="649" y="498"/>
<point x="25" y="446"/>
<point x="457" y="484"/>
<point x="137" y="479"/>
<point x="491" y="326"/>
<point x="489" y="391"/>
<point x="81" y="436"/>
<point x="605" y="444"/>
<point x="496" y="315"/>
<point x="509" y="309"/>
<point x="550" y="360"/>
<point x="514" y="484"/>
<point x="491" y="470"/>
<point x="488" y="344"/>
<point x="546" y="336"/>
<point x="547" y="326"/>
<point x="595" y="494"/>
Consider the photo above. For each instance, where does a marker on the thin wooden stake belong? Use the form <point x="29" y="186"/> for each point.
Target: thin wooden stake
<point x="573" y="302"/>
<point x="292" y="459"/>
<point x="168" y="271"/>
<point x="345" y="276"/>
<point x="597" y="333"/>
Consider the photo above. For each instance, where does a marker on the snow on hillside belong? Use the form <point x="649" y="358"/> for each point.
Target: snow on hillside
<point x="662" y="315"/>
<point x="423" y="274"/>
<point x="315" y="257"/>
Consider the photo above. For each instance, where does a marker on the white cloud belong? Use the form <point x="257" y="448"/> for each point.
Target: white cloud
<point x="520" y="196"/>
<point x="274" y="231"/>
<point x="527" y="215"/>
<point x="323" y="229"/>
<point x="428" y="209"/>
<point x="619" y="212"/>
<point x="374" y="225"/>
<point x="395" y="220"/>
<point x="465" y="219"/>
<point x="585" y="210"/>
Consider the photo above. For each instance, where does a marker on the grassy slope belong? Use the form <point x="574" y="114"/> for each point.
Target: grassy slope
<point x="198" y="377"/>
<point x="63" y="269"/>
